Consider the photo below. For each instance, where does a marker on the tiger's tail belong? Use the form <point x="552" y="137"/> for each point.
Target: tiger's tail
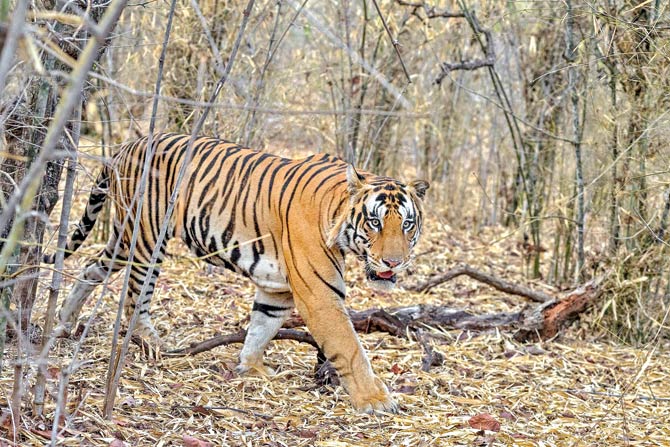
<point x="85" y="225"/>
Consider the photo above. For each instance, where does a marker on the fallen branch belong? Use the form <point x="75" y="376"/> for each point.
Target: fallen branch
<point x="398" y="320"/>
<point x="545" y="321"/>
<point x="219" y="340"/>
<point x="493" y="281"/>
<point x="531" y="323"/>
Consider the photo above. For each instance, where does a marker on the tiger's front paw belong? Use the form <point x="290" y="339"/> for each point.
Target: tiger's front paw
<point x="374" y="400"/>
<point x="254" y="369"/>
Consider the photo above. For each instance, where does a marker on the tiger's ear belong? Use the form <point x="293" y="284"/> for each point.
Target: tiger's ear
<point x="355" y="181"/>
<point x="419" y="187"/>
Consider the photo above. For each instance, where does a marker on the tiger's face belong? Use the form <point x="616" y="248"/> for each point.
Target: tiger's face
<point x="383" y="224"/>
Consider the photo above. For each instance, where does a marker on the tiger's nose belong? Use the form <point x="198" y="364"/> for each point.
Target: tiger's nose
<point x="392" y="262"/>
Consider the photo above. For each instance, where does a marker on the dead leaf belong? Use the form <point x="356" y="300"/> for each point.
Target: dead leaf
<point x="484" y="421"/>
<point x="117" y="443"/>
<point x="46" y="434"/>
<point x="306" y="433"/>
<point x="395" y="369"/>
<point x="190" y="441"/>
<point x="202" y="410"/>
<point x="535" y="350"/>
<point x="406" y="389"/>
<point x="120" y="422"/>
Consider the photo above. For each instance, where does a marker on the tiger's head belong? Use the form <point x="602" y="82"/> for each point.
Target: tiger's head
<point x="382" y="224"/>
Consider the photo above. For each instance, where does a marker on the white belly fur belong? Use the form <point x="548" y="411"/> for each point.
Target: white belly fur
<point x="268" y="273"/>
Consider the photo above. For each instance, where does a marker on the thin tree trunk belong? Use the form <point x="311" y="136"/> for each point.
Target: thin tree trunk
<point x="615" y="226"/>
<point x="117" y="355"/>
<point x="577" y="132"/>
<point x="69" y="99"/>
<point x="57" y="277"/>
<point x="249" y="125"/>
<point x="347" y="87"/>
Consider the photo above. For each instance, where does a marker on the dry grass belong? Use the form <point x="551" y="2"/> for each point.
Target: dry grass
<point x="559" y="393"/>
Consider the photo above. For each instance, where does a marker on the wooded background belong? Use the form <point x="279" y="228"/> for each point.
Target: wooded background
<point x="545" y="120"/>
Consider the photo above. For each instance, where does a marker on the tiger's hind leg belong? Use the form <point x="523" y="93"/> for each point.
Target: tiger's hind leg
<point x="139" y="273"/>
<point x="268" y="314"/>
<point x="94" y="274"/>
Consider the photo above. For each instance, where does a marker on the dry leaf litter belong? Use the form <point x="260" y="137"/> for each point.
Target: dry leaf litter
<point x="577" y="390"/>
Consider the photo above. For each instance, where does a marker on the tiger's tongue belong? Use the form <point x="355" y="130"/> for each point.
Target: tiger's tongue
<point x="385" y="275"/>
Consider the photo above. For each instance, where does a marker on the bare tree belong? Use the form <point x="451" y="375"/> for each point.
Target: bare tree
<point x="41" y="146"/>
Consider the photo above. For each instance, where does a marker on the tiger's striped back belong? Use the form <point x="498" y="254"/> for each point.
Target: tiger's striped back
<point x="236" y="204"/>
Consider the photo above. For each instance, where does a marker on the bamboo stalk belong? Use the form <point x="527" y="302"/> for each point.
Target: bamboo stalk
<point x="116" y="366"/>
<point x="394" y="42"/>
<point x="14" y="33"/>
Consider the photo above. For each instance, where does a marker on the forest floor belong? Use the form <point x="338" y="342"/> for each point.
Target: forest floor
<point x="583" y="388"/>
<point x="575" y="390"/>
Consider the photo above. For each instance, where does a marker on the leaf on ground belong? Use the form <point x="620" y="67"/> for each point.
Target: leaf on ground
<point x="202" y="410"/>
<point x="53" y="372"/>
<point x="121" y="422"/>
<point x="535" y="350"/>
<point x="406" y="389"/>
<point x="484" y="421"/>
<point x="117" y="443"/>
<point x="395" y="369"/>
<point x="190" y="441"/>
<point x="46" y="434"/>
<point x="306" y="433"/>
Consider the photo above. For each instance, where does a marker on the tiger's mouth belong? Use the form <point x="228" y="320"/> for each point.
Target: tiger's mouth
<point x="387" y="277"/>
<point x="382" y="276"/>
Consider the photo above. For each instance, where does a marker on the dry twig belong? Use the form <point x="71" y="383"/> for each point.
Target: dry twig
<point x="474" y="64"/>
<point x="396" y="44"/>
<point x="238" y="337"/>
<point x="493" y="281"/>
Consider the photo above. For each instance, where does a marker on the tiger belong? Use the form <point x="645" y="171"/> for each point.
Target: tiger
<point x="286" y="224"/>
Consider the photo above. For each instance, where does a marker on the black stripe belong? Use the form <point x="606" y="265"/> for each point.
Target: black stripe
<point x="268" y="309"/>
<point x="283" y="162"/>
<point x="337" y="291"/>
<point x="229" y="187"/>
